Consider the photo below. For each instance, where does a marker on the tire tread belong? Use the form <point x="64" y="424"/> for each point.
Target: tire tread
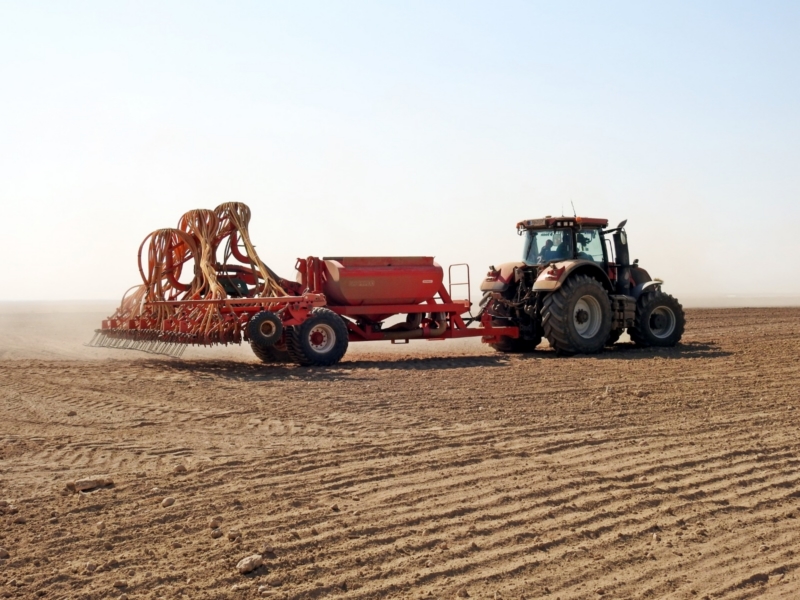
<point x="640" y="331"/>
<point x="295" y="346"/>
<point x="555" y="317"/>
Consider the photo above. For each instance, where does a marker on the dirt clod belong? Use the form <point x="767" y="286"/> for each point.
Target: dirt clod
<point x="90" y="483"/>
<point x="250" y="563"/>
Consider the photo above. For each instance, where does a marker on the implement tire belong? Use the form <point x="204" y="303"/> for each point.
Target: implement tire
<point x="576" y="318"/>
<point x="265" y="329"/>
<point x="660" y="320"/>
<point x="320" y="341"/>
<point x="271" y="354"/>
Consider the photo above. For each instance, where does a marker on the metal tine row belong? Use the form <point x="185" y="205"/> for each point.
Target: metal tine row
<point x="168" y="347"/>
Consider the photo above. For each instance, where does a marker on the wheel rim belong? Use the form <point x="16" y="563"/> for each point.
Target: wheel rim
<point x="267" y="328"/>
<point x="662" y="322"/>
<point x="322" y="338"/>
<point x="587" y="316"/>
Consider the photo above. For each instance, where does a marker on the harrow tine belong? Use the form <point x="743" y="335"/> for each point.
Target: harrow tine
<point x="149" y="341"/>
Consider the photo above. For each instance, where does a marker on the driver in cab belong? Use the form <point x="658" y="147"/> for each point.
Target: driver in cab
<point x="561" y="252"/>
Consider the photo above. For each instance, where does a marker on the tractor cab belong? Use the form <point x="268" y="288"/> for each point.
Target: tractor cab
<point x="555" y="239"/>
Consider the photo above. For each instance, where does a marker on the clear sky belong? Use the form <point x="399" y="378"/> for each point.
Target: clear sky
<point x="400" y="128"/>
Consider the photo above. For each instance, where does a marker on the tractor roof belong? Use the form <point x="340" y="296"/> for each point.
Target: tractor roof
<point x="550" y="222"/>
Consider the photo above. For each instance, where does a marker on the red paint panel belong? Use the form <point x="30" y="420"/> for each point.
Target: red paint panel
<point x="372" y="280"/>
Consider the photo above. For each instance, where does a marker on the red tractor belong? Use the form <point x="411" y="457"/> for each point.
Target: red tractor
<point x="576" y="286"/>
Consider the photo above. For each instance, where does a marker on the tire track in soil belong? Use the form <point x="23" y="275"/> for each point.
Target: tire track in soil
<point x="507" y="476"/>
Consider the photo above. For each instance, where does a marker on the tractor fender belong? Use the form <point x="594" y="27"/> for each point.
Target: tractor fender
<point x="639" y="275"/>
<point x="555" y="274"/>
<point x="502" y="276"/>
<point x="648" y="286"/>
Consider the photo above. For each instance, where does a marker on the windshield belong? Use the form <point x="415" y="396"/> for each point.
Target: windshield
<point x="544" y="245"/>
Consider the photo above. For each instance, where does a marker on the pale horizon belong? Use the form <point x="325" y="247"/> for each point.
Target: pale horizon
<point x="365" y="128"/>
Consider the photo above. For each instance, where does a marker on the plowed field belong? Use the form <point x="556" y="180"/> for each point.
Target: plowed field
<point x="432" y="471"/>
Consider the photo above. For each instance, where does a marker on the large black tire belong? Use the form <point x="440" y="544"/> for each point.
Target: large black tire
<point x="576" y="318"/>
<point x="265" y="329"/>
<point x="321" y="340"/>
<point x="271" y="354"/>
<point x="659" y="320"/>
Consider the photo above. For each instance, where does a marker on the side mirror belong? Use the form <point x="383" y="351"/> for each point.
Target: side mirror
<point x="621" y="225"/>
<point x="635" y="262"/>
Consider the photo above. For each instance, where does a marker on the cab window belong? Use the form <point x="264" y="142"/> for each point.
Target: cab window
<point x="545" y="245"/>
<point x="590" y="245"/>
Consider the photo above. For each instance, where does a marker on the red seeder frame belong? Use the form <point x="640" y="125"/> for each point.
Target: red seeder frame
<point x="294" y="310"/>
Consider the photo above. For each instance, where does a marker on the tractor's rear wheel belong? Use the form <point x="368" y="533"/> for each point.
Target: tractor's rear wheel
<point x="321" y="340"/>
<point x="576" y="318"/>
<point x="659" y="320"/>
<point x="271" y="354"/>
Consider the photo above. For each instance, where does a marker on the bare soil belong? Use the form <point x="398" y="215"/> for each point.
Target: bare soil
<point x="427" y="471"/>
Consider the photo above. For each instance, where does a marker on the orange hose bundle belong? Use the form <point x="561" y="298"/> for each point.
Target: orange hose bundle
<point x="157" y="316"/>
<point x="168" y="251"/>
<point x="234" y="218"/>
<point x="132" y="303"/>
<point x="203" y="226"/>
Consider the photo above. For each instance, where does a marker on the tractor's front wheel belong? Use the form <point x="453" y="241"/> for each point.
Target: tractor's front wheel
<point x="576" y="318"/>
<point x="321" y="340"/>
<point x="659" y="320"/>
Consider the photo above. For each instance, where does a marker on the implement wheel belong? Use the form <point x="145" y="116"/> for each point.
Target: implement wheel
<point x="321" y="340"/>
<point x="271" y="354"/>
<point x="576" y="318"/>
<point x="265" y="329"/>
<point x="659" y="320"/>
